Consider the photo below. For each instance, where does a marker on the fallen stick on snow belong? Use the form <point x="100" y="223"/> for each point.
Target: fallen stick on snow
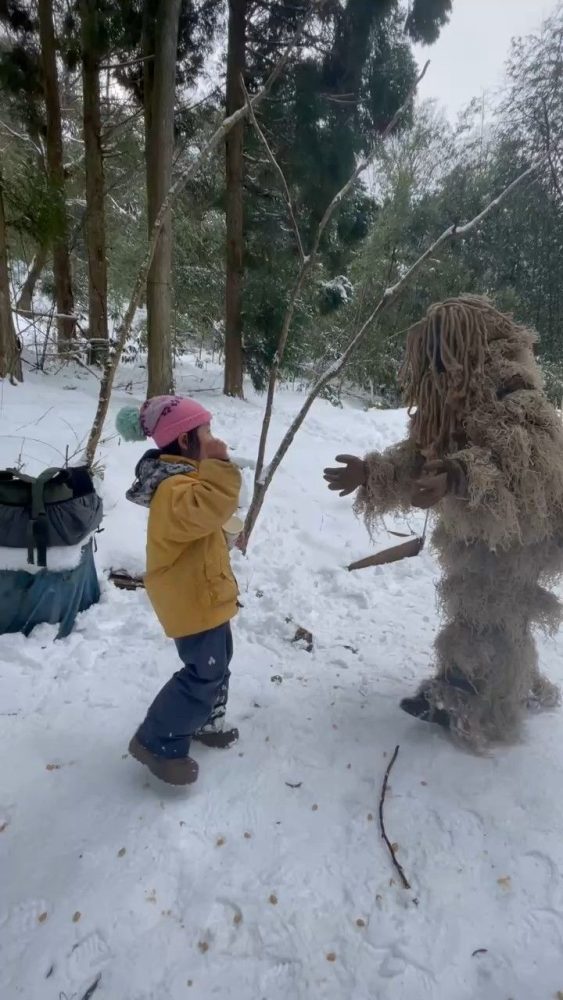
<point x="405" y="550"/>
<point x="398" y="866"/>
<point x="397" y="552"/>
<point x="125" y="581"/>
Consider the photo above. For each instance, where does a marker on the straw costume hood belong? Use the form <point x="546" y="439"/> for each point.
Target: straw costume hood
<point x="485" y="447"/>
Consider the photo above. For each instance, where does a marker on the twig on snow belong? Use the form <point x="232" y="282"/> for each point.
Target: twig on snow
<point x="92" y="989"/>
<point x="391" y="849"/>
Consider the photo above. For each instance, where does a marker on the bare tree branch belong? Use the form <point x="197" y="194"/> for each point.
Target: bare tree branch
<point x="552" y="167"/>
<point x="389" y="297"/>
<point x="280" y="173"/>
<point x="33" y="314"/>
<point x="22" y="138"/>
<point x="127" y="63"/>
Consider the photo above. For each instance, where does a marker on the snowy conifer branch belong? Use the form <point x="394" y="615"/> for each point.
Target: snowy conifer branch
<point x="388" y="298"/>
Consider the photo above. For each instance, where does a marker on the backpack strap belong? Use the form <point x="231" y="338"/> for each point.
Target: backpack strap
<point x="38" y="530"/>
<point x="33" y="493"/>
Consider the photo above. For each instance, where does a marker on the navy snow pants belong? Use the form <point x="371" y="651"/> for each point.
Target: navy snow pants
<point x="195" y="698"/>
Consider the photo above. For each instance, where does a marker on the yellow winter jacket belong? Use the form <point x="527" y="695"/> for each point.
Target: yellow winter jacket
<point x="189" y="578"/>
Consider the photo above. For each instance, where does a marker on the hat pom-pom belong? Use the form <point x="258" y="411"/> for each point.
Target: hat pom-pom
<point x="128" y="424"/>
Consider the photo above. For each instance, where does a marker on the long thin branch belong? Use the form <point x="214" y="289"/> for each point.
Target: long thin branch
<point x="307" y="262"/>
<point x="22" y="138"/>
<point x="553" y="169"/>
<point x="389" y="297"/>
<point x="390" y="848"/>
<point x="124" y="329"/>
<point x="127" y="63"/>
<point x="33" y="314"/>
<point x="365" y="162"/>
<point x="279" y="172"/>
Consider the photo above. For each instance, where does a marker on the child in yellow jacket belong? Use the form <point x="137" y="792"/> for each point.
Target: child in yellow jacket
<point x="191" y="489"/>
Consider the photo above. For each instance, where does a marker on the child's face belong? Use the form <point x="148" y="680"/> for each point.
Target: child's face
<point x="209" y="446"/>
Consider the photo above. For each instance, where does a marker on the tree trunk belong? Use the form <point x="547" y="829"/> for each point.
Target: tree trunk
<point x="38" y="264"/>
<point x="161" y="41"/>
<point x="55" y="167"/>
<point x="95" y="185"/>
<point x="10" y="361"/>
<point x="236" y="60"/>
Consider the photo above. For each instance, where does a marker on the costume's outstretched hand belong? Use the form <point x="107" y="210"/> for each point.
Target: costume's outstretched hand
<point x="348" y="479"/>
<point x="431" y="487"/>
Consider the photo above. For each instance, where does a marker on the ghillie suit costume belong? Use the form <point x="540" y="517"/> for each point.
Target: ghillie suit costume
<point x="486" y="448"/>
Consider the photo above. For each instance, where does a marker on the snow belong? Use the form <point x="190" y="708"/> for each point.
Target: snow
<point x="268" y="878"/>
<point x="59" y="557"/>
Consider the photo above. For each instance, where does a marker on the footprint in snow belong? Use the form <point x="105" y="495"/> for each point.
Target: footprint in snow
<point x="537" y="876"/>
<point x="282" y="980"/>
<point x="24" y="918"/>
<point x="81" y="968"/>
<point x="87" y="957"/>
<point x="225" y="928"/>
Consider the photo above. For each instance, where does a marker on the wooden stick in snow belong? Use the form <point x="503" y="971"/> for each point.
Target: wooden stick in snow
<point x="389" y="297"/>
<point x="395" y="553"/>
<point x="404" y="880"/>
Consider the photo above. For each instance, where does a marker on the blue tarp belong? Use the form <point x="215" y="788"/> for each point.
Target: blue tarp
<point x="29" y="599"/>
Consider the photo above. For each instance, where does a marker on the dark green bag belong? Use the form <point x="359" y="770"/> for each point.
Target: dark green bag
<point x="58" y="507"/>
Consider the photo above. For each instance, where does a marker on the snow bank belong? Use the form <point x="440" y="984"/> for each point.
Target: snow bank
<point x="59" y="557"/>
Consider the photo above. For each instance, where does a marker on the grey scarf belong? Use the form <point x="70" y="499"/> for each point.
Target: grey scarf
<point x="151" y="471"/>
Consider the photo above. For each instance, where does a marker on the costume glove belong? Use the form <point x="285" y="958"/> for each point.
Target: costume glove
<point x="348" y="479"/>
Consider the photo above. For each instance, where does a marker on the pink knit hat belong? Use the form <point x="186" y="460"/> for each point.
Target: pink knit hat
<point x="164" y="418"/>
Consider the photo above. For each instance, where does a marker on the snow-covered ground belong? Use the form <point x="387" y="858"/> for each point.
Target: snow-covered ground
<point x="268" y="879"/>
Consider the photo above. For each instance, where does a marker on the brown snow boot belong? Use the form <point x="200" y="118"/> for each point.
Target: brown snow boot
<point x="217" y="739"/>
<point x="172" y="770"/>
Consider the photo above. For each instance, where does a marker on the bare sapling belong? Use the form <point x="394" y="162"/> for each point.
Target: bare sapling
<point x="265" y="474"/>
